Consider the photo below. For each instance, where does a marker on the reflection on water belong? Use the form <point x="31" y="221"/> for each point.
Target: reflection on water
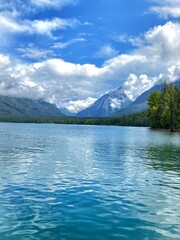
<point x="166" y="157"/>
<point x="88" y="182"/>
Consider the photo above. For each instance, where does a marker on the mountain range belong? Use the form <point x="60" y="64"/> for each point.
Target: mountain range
<point x="117" y="103"/>
<point x="12" y="106"/>
<point x="113" y="103"/>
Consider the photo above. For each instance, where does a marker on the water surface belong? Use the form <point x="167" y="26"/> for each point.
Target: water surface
<point x="88" y="182"/>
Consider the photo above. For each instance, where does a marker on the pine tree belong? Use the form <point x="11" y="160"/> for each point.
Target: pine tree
<point x="164" y="108"/>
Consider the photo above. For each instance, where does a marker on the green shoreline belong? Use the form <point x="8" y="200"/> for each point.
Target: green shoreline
<point x="137" y="119"/>
<point x="134" y="120"/>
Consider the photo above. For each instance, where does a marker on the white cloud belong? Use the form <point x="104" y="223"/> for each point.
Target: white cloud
<point x="53" y="3"/>
<point x="16" y="18"/>
<point x="165" y="41"/>
<point x="44" y="27"/>
<point x="8" y="24"/>
<point x="54" y="80"/>
<point x="124" y="64"/>
<point x="160" y="50"/>
<point x="11" y="5"/>
<point x="32" y="52"/>
<point x="76" y="71"/>
<point x="88" y="24"/>
<point x="135" y="85"/>
<point x="106" y="51"/>
<point x="29" y="6"/>
<point x="62" y="45"/>
<point x="116" y="103"/>
<point x="166" y="8"/>
<point x="77" y="106"/>
<point x="4" y="60"/>
<point x="173" y="73"/>
<point x="64" y="83"/>
<point x="14" y="81"/>
<point x="150" y="62"/>
<point x="133" y="40"/>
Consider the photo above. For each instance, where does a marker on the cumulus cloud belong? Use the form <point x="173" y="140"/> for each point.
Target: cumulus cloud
<point x="124" y="64"/>
<point x="78" y="105"/>
<point x="160" y="50"/>
<point x="70" y="70"/>
<point x="135" y="85"/>
<point x="4" y="61"/>
<point x="173" y="73"/>
<point x="54" y="80"/>
<point x="70" y="85"/>
<point x="166" y="8"/>
<point x="164" y="41"/>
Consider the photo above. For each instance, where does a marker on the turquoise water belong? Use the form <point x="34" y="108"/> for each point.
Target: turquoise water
<point x="73" y="182"/>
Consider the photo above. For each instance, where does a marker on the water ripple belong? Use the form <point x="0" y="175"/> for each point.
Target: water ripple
<point x="79" y="182"/>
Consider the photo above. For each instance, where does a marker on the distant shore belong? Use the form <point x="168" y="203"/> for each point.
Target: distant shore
<point x="137" y="119"/>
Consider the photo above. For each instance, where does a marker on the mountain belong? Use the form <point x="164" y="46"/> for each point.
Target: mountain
<point x="107" y="104"/>
<point x="140" y="104"/>
<point x="66" y="112"/>
<point x="12" y="106"/>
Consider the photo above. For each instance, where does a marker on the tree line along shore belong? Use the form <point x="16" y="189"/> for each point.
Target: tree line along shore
<point x="137" y="119"/>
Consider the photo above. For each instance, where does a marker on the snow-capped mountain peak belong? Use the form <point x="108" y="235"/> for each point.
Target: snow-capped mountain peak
<point x="107" y="104"/>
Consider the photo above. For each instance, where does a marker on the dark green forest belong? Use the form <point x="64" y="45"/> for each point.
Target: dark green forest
<point x="138" y="119"/>
<point x="164" y="108"/>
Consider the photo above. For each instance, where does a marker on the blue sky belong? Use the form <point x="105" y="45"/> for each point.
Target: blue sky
<point x="93" y="34"/>
<point x="70" y="52"/>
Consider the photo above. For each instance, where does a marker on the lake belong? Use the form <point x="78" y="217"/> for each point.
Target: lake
<point x="72" y="182"/>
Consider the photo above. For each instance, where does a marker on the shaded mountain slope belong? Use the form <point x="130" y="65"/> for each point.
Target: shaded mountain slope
<point x="27" y="107"/>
